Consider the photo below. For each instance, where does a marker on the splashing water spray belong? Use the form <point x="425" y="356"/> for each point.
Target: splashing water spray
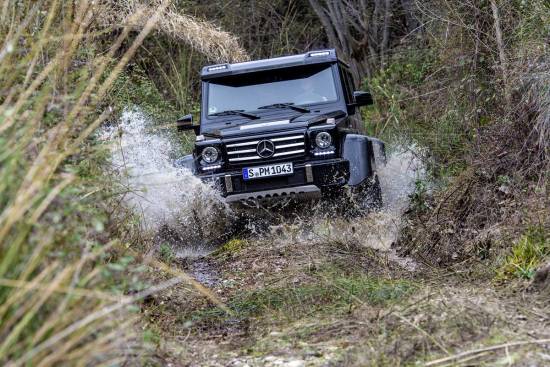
<point x="171" y="203"/>
<point x="176" y="206"/>
<point x="377" y="230"/>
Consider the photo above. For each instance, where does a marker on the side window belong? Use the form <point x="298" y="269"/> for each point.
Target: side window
<point x="348" y="88"/>
<point x="350" y="82"/>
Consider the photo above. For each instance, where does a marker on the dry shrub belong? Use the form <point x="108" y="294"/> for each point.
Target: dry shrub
<point x="503" y="191"/>
<point x="504" y="188"/>
<point x="536" y="103"/>
<point x="200" y="35"/>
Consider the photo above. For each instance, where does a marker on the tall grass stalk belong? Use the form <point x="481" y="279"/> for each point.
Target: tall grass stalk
<point x="56" y="304"/>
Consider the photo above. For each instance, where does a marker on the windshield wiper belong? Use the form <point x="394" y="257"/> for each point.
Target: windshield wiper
<point x="284" y="105"/>
<point x="235" y="112"/>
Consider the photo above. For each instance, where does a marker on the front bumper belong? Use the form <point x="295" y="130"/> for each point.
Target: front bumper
<point x="307" y="181"/>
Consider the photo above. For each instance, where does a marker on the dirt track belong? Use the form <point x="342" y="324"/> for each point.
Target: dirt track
<point x="303" y="302"/>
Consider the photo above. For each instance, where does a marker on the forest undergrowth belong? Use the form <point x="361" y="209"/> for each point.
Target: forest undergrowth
<point x="460" y="278"/>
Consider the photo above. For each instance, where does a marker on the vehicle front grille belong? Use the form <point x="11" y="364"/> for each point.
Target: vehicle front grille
<point x="286" y="146"/>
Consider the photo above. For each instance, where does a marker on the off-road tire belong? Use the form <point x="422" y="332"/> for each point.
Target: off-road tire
<point x="371" y="195"/>
<point x="363" y="199"/>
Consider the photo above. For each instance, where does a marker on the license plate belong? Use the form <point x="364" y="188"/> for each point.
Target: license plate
<point x="281" y="169"/>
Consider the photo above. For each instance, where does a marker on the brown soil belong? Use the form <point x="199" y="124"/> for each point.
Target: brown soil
<point x="295" y="304"/>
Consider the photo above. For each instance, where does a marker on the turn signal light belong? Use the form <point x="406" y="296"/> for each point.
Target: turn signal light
<point x="319" y="53"/>
<point x="218" y="67"/>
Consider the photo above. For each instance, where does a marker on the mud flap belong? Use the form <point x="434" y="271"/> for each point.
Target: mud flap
<point x="187" y="162"/>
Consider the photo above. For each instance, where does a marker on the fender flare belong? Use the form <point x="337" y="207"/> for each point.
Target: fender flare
<point x="359" y="150"/>
<point x="186" y="162"/>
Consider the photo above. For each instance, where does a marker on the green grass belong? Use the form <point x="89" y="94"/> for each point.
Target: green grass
<point x="404" y="114"/>
<point x="231" y="247"/>
<point x="330" y="294"/>
<point x="166" y="253"/>
<point x="136" y="89"/>
<point x="526" y="255"/>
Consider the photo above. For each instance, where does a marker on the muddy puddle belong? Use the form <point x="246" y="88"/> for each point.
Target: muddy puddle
<point x="177" y="210"/>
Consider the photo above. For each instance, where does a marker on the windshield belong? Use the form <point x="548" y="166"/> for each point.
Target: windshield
<point x="248" y="92"/>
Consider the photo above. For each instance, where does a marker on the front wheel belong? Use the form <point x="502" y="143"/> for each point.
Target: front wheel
<point x="365" y="198"/>
<point x="370" y="196"/>
<point x="355" y="201"/>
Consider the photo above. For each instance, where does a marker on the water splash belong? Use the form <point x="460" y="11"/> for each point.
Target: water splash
<point x="172" y="203"/>
<point x="177" y="208"/>
<point x="377" y="230"/>
<point x="398" y="177"/>
<point x="398" y="181"/>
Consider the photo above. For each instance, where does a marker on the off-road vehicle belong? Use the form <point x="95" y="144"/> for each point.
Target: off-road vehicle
<point x="283" y="127"/>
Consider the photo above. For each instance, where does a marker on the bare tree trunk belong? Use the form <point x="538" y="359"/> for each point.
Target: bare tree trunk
<point x="501" y="51"/>
<point x="410" y="19"/>
<point x="339" y="18"/>
<point x="320" y="11"/>
<point x="360" y="30"/>
<point x="386" y="32"/>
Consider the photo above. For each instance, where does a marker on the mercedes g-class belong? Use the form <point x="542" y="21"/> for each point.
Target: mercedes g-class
<point x="283" y="127"/>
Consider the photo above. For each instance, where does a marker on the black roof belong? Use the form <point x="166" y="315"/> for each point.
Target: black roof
<point x="312" y="57"/>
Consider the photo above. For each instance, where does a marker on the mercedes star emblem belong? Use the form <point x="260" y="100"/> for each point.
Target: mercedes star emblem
<point x="265" y="148"/>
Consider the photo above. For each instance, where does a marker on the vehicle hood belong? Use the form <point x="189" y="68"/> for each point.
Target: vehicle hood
<point x="273" y="123"/>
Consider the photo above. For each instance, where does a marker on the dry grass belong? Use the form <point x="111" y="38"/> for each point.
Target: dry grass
<point x="537" y="98"/>
<point x="503" y="192"/>
<point x="56" y="304"/>
<point x="201" y="35"/>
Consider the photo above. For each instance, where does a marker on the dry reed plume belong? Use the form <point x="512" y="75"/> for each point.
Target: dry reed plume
<point x="215" y="44"/>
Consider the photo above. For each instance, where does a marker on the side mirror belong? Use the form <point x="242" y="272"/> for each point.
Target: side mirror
<point x="362" y="98"/>
<point x="186" y="123"/>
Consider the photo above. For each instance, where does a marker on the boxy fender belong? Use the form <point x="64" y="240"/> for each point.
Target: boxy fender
<point x="186" y="162"/>
<point x="358" y="151"/>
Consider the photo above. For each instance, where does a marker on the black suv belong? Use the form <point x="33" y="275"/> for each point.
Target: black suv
<point x="283" y="127"/>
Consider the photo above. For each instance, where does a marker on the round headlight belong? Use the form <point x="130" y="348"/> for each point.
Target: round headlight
<point x="210" y="154"/>
<point x="323" y="140"/>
